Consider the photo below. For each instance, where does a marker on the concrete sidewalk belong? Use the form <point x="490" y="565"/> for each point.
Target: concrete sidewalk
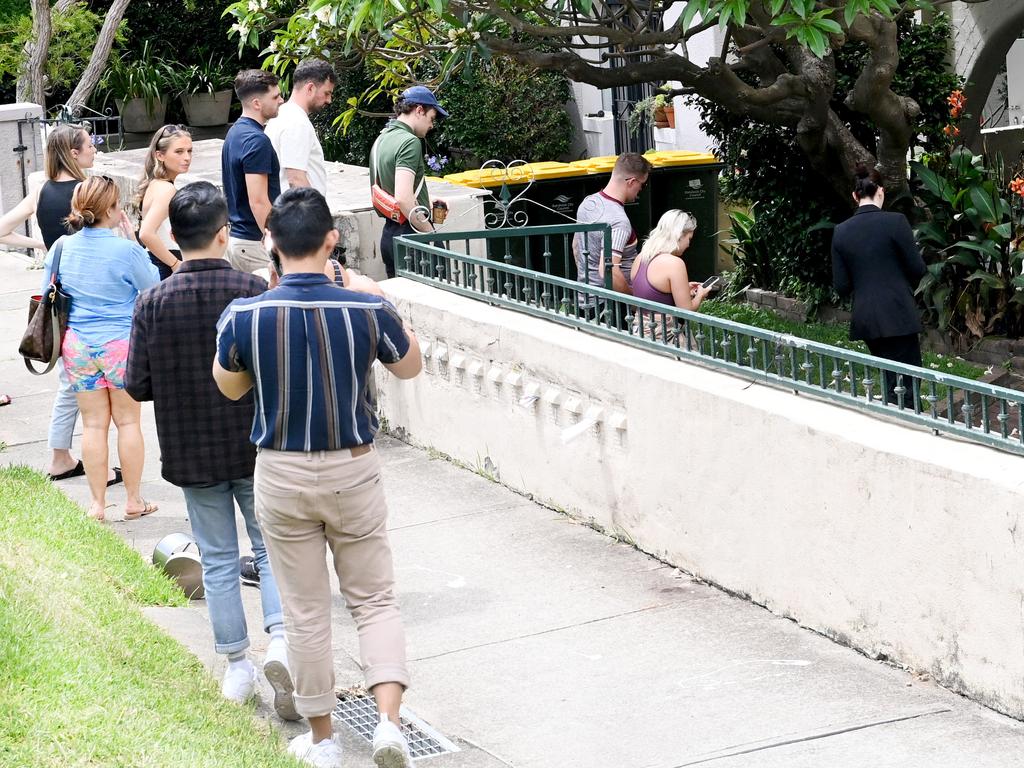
<point x="537" y="642"/>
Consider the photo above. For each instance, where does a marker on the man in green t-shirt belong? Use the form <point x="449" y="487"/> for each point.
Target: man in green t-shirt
<point x="398" y="166"/>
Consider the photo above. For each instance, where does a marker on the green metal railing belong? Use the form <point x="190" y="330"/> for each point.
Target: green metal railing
<point x="980" y="412"/>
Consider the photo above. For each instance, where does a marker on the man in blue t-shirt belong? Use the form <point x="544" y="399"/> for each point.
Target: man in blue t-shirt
<point x="250" y="169"/>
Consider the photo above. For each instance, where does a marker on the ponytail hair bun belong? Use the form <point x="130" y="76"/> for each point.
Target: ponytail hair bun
<point x="867" y="181"/>
<point x="90" y="202"/>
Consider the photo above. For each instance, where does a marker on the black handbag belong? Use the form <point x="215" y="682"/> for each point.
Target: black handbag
<point x="47" y="321"/>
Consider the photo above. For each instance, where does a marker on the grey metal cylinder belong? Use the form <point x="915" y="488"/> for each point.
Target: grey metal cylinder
<point x="177" y="555"/>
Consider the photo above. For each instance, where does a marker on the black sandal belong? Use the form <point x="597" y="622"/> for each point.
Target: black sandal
<point x="76" y="471"/>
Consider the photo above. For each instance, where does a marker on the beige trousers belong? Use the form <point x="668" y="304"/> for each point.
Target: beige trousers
<point x="247" y="255"/>
<point x="307" y="504"/>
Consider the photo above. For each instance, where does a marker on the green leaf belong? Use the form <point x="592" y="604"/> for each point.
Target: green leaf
<point x="931" y="232"/>
<point x="964" y="258"/>
<point x="855" y="8"/>
<point x="993" y="281"/>
<point x="982" y="201"/>
<point x="934" y="183"/>
<point x="829" y="26"/>
<point x="1002" y="232"/>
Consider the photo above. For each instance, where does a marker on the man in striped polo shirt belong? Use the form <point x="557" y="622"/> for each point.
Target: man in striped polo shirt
<point x="307" y="348"/>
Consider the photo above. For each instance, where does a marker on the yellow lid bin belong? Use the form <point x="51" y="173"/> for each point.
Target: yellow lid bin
<point x="603" y="164"/>
<point x="676" y="157"/>
<point x="517" y="174"/>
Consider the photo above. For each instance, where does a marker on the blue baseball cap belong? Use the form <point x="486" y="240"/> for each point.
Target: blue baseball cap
<point x="420" y="94"/>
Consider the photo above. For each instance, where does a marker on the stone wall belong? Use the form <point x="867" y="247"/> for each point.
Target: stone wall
<point x="901" y="544"/>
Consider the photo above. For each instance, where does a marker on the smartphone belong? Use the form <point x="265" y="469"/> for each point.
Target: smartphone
<point x="711" y="281"/>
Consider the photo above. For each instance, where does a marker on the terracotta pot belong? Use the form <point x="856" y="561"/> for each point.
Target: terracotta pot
<point x="660" y="119"/>
<point x="670" y="115"/>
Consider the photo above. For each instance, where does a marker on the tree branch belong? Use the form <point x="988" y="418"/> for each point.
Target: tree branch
<point x="30" y="86"/>
<point x="100" y="54"/>
<point x="873" y="96"/>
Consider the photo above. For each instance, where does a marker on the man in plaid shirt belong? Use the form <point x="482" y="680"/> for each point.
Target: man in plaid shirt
<point x="204" y="437"/>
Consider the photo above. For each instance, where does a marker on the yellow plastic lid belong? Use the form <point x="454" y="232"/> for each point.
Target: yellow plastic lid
<point x="675" y="157"/>
<point x="522" y="174"/>
<point x="603" y="164"/>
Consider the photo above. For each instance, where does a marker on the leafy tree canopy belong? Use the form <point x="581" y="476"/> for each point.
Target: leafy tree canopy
<point x="777" y="64"/>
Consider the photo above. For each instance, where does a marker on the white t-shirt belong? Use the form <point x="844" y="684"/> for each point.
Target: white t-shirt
<point x="297" y="146"/>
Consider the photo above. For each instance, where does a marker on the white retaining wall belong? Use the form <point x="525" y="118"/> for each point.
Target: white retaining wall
<point x="887" y="538"/>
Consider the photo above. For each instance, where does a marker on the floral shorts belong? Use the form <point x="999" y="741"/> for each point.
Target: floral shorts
<point x="93" y="368"/>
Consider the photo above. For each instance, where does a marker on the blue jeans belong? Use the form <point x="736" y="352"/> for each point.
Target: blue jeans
<point x="211" y="509"/>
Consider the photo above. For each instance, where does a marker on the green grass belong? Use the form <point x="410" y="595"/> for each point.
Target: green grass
<point x="85" y="678"/>
<point x="836" y="335"/>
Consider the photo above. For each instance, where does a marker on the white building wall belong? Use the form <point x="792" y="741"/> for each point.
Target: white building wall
<point x="599" y="132"/>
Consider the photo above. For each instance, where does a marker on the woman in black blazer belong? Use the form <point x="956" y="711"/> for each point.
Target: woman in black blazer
<point x="875" y="258"/>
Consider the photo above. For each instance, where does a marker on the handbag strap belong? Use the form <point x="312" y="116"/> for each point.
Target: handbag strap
<point x="55" y="351"/>
<point x="58" y="248"/>
<point x="50" y="306"/>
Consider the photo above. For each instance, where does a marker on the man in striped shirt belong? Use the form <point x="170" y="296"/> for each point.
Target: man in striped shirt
<point x="307" y="348"/>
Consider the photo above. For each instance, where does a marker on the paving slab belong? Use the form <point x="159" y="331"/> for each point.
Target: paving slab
<point x="537" y="642"/>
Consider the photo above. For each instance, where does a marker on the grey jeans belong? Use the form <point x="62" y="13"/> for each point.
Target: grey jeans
<point x="63" y="415"/>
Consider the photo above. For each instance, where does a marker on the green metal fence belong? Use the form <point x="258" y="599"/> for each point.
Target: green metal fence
<point x="979" y="412"/>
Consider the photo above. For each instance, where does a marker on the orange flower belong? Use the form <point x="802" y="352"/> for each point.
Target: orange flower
<point x="1017" y="187"/>
<point x="951" y="130"/>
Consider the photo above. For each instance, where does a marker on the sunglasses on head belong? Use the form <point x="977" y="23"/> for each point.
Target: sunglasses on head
<point x="170" y="130"/>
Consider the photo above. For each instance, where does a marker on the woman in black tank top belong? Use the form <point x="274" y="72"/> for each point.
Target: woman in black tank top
<point x="69" y="151"/>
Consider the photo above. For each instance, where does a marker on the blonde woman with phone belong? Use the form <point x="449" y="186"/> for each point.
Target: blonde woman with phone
<point x="659" y="273"/>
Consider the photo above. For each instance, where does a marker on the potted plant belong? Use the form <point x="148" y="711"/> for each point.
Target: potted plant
<point x="139" y="89"/>
<point x="205" y="91"/>
<point x="657" y="109"/>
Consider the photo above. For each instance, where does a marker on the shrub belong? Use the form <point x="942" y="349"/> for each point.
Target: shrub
<point x="352" y="145"/>
<point x="503" y="110"/>
<point x="483" y="105"/>
<point x="971" y="232"/>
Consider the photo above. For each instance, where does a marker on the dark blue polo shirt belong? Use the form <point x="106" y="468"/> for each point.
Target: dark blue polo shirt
<point x="309" y="345"/>
<point x="247" y="150"/>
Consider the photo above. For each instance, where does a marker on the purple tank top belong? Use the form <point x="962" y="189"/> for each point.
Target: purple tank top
<point x="643" y="289"/>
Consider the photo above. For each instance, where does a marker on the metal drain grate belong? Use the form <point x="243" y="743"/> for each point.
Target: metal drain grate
<point x="360" y="714"/>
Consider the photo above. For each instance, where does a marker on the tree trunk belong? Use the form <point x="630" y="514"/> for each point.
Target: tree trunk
<point x="30" y="85"/>
<point x="100" y="55"/>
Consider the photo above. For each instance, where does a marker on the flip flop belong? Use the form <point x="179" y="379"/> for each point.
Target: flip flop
<point x="117" y="477"/>
<point x="77" y="471"/>
<point x="148" y="510"/>
<point x="5" y="399"/>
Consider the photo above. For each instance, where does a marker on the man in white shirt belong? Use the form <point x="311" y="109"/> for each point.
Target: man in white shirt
<point x="292" y="133"/>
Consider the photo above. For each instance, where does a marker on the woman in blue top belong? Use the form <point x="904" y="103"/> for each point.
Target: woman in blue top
<point x="103" y="274"/>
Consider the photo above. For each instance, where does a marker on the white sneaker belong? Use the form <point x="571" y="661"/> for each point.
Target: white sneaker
<point x="275" y="667"/>
<point x="239" y="683"/>
<point x="326" y="754"/>
<point x="390" y="749"/>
